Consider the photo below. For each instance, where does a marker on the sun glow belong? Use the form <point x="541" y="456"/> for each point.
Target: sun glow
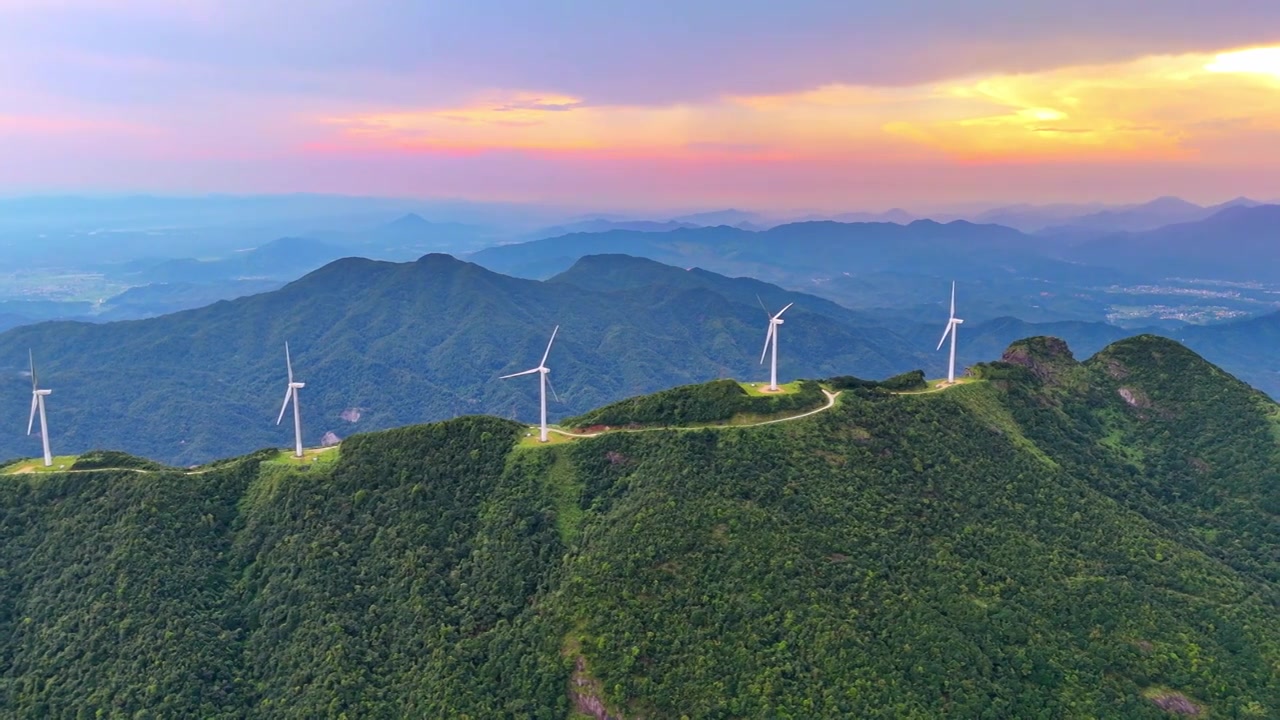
<point x="1255" y="61"/>
<point x="1167" y="107"/>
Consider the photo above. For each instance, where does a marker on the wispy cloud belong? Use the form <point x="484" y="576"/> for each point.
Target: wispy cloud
<point x="1150" y="109"/>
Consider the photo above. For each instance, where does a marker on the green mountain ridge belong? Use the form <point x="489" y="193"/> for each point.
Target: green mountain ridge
<point x="383" y="345"/>
<point x="1051" y="539"/>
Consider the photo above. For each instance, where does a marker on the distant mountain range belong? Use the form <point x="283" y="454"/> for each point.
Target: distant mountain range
<point x="1148" y="216"/>
<point x="1238" y="243"/>
<point x="384" y="344"/>
<point x="891" y="266"/>
<point x="1060" y="219"/>
<point x="882" y="266"/>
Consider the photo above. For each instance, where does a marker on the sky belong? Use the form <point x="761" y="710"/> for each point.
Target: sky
<point x="813" y="104"/>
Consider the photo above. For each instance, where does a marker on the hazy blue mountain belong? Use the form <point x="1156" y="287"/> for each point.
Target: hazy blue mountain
<point x="1031" y="218"/>
<point x="809" y="247"/>
<point x="1247" y="348"/>
<point x="1132" y="218"/>
<point x="893" y="215"/>
<point x="1152" y="215"/>
<point x="24" y="312"/>
<point x="881" y="266"/>
<point x="715" y="218"/>
<point x="597" y="225"/>
<point x="412" y="236"/>
<point x="1238" y="243"/>
<point x="608" y="273"/>
<point x="281" y="259"/>
<point x="164" y="298"/>
<point x="385" y="344"/>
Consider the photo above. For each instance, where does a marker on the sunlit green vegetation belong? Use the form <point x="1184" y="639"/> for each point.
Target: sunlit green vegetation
<point x="36" y="465"/>
<point x="991" y="550"/>
<point x="719" y="401"/>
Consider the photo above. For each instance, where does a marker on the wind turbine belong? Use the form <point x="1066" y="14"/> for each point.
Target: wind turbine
<point x="37" y="403"/>
<point x="543" y="381"/>
<point x="291" y="393"/>
<point x="951" y="330"/>
<point x="772" y="337"/>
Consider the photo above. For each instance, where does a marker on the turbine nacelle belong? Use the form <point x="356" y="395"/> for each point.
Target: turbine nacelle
<point x="543" y="373"/>
<point x="38" y="394"/>
<point x="952" y="323"/>
<point x="771" y="340"/>
<point x="291" y="395"/>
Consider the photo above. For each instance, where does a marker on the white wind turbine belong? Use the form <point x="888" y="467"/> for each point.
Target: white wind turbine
<point x="772" y="337"/>
<point x="543" y="381"/>
<point x="951" y="330"/>
<point x="291" y="393"/>
<point x="37" y="403"/>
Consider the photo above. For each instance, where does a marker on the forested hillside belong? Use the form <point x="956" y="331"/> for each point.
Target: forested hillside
<point x="383" y="345"/>
<point x="1049" y="539"/>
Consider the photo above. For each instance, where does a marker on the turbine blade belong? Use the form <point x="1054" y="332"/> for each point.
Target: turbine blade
<point x="31" y="354"/>
<point x="552" y="388"/>
<point x="762" y="307"/>
<point x="767" y="337"/>
<point x="953" y="298"/>
<point x="288" y="394"/>
<point x="775" y="317"/>
<point x="950" y="327"/>
<point x="526" y="372"/>
<point x="288" y="362"/>
<point x="548" y="352"/>
<point x="35" y="402"/>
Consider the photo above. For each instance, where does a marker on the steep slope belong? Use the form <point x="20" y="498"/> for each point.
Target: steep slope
<point x="381" y="345"/>
<point x="1027" y="545"/>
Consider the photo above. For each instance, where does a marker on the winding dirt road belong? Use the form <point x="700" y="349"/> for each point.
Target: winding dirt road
<point x="831" y="402"/>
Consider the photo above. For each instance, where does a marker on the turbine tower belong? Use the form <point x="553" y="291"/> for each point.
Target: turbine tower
<point x="772" y="337"/>
<point x="951" y="330"/>
<point x="291" y="393"/>
<point x="37" y="403"/>
<point x="543" y="381"/>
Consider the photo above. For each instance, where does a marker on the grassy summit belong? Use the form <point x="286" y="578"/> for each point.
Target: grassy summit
<point x="1058" y="539"/>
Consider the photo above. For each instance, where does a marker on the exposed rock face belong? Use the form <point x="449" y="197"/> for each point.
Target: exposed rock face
<point x="1048" y="358"/>
<point x="330" y="439"/>
<point x="1135" y="398"/>
<point x="585" y="692"/>
<point x="1116" y="369"/>
<point x="1176" y="703"/>
<point x="351" y="415"/>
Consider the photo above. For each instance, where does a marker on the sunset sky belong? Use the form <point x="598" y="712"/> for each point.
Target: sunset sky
<point x="820" y="104"/>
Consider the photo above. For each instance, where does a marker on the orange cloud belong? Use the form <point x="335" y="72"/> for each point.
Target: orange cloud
<point x="1154" y="108"/>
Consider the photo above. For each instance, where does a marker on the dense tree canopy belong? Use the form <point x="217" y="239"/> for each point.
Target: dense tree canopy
<point x="1054" y="539"/>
